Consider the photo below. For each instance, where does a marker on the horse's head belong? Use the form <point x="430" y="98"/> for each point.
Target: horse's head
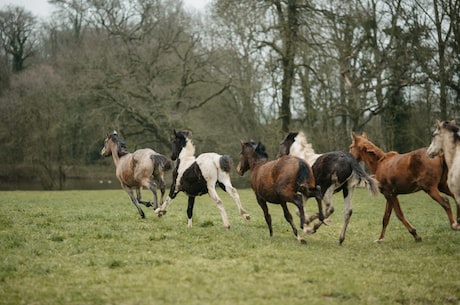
<point x="112" y="143"/>
<point x="444" y="133"/>
<point x="179" y="142"/>
<point x="250" y="152"/>
<point x="285" y="145"/>
<point x="357" y="146"/>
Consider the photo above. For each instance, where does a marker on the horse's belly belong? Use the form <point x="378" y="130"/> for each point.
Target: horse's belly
<point x="192" y="181"/>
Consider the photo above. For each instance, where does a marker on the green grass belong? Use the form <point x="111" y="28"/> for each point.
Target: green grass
<point x="91" y="247"/>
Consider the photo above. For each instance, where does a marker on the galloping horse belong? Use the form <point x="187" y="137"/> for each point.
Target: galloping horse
<point x="198" y="176"/>
<point x="279" y="181"/>
<point x="446" y="141"/>
<point x="404" y="174"/>
<point x="142" y="168"/>
<point x="334" y="171"/>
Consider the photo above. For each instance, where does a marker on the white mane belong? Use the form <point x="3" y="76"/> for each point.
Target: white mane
<point x="302" y="149"/>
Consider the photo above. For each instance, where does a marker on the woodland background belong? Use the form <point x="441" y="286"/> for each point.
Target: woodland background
<point x="239" y="70"/>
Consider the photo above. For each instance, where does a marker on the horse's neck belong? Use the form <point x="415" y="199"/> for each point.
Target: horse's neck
<point x="371" y="158"/>
<point x="187" y="154"/>
<point x="452" y="156"/>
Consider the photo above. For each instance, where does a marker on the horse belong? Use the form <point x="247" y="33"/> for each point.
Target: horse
<point x="279" y="181"/>
<point x="404" y="174"/>
<point x="196" y="176"/>
<point x="142" y="168"/>
<point x="334" y="171"/>
<point x="446" y="141"/>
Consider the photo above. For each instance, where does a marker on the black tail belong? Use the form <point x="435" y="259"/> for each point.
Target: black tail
<point x="226" y="163"/>
<point x="360" y="176"/>
<point x="161" y="162"/>
<point x="303" y="177"/>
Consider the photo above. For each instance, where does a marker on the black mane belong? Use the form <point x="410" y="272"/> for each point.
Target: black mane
<point x="121" y="146"/>
<point x="450" y="126"/>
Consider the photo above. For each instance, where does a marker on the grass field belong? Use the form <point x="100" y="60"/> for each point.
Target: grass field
<point x="91" y="247"/>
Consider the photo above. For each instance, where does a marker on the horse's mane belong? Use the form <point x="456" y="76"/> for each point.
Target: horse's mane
<point x="304" y="146"/>
<point x="452" y="127"/>
<point x="121" y="146"/>
<point x="259" y="148"/>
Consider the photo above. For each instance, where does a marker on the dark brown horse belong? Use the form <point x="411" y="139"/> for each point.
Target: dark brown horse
<point x="404" y="174"/>
<point x="334" y="172"/>
<point x="279" y="181"/>
<point x="142" y="168"/>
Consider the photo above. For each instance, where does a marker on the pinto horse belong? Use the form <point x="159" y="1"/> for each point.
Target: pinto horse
<point x="446" y="141"/>
<point x="142" y="168"/>
<point x="334" y="171"/>
<point x="279" y="181"/>
<point x="198" y="176"/>
<point x="404" y="174"/>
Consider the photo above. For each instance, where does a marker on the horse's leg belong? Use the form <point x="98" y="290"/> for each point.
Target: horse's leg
<point x="399" y="213"/>
<point x="153" y="188"/>
<point x="347" y="211"/>
<point x="288" y="217"/>
<point x="298" y="201"/>
<point x="191" y="203"/>
<point x="172" y="194"/>
<point x="139" y="198"/>
<point x="263" y="205"/>
<point x="213" y="194"/>
<point x="227" y="186"/>
<point x="444" y="203"/>
<point x="386" y="218"/>
<point x="327" y="197"/>
<point x="133" y="199"/>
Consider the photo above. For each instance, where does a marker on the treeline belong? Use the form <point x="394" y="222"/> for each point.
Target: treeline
<point x="240" y="70"/>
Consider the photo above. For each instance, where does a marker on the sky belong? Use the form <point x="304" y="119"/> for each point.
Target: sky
<point x="42" y="9"/>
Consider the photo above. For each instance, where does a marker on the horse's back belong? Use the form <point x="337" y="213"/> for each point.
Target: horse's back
<point x="409" y="172"/>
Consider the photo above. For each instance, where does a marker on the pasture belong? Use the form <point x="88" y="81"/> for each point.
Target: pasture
<point x="91" y="247"/>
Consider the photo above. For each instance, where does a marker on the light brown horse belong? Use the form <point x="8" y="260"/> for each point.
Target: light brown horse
<point x="446" y="142"/>
<point x="279" y="181"/>
<point x="143" y="168"/>
<point x="404" y="174"/>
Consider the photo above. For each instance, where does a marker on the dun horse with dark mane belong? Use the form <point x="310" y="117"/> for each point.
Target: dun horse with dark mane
<point x="404" y="174"/>
<point x="142" y="168"/>
<point x="279" y="181"/>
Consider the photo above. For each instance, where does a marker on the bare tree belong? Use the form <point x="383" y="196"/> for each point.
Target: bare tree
<point x="18" y="35"/>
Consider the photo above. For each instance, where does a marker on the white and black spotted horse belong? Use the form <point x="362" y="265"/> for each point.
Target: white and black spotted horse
<point x="196" y="176"/>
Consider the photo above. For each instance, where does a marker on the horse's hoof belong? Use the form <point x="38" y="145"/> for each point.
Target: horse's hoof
<point x="247" y="216"/>
<point x="418" y="238"/>
<point x="309" y="231"/>
<point x="327" y="222"/>
<point x="303" y="241"/>
<point x="380" y="240"/>
<point x="456" y="226"/>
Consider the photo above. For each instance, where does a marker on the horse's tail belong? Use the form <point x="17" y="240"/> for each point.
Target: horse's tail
<point x="303" y="179"/>
<point x="226" y="163"/>
<point x="360" y="177"/>
<point x="160" y="162"/>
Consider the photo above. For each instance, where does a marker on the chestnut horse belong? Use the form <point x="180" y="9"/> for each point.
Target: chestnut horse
<point x="198" y="176"/>
<point x="446" y="141"/>
<point x="279" y="181"/>
<point x="404" y="174"/>
<point x="334" y="172"/>
<point x="142" y="168"/>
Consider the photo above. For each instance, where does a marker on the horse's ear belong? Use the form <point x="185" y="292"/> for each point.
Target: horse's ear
<point x="452" y="122"/>
<point x="364" y="135"/>
<point x="174" y="132"/>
